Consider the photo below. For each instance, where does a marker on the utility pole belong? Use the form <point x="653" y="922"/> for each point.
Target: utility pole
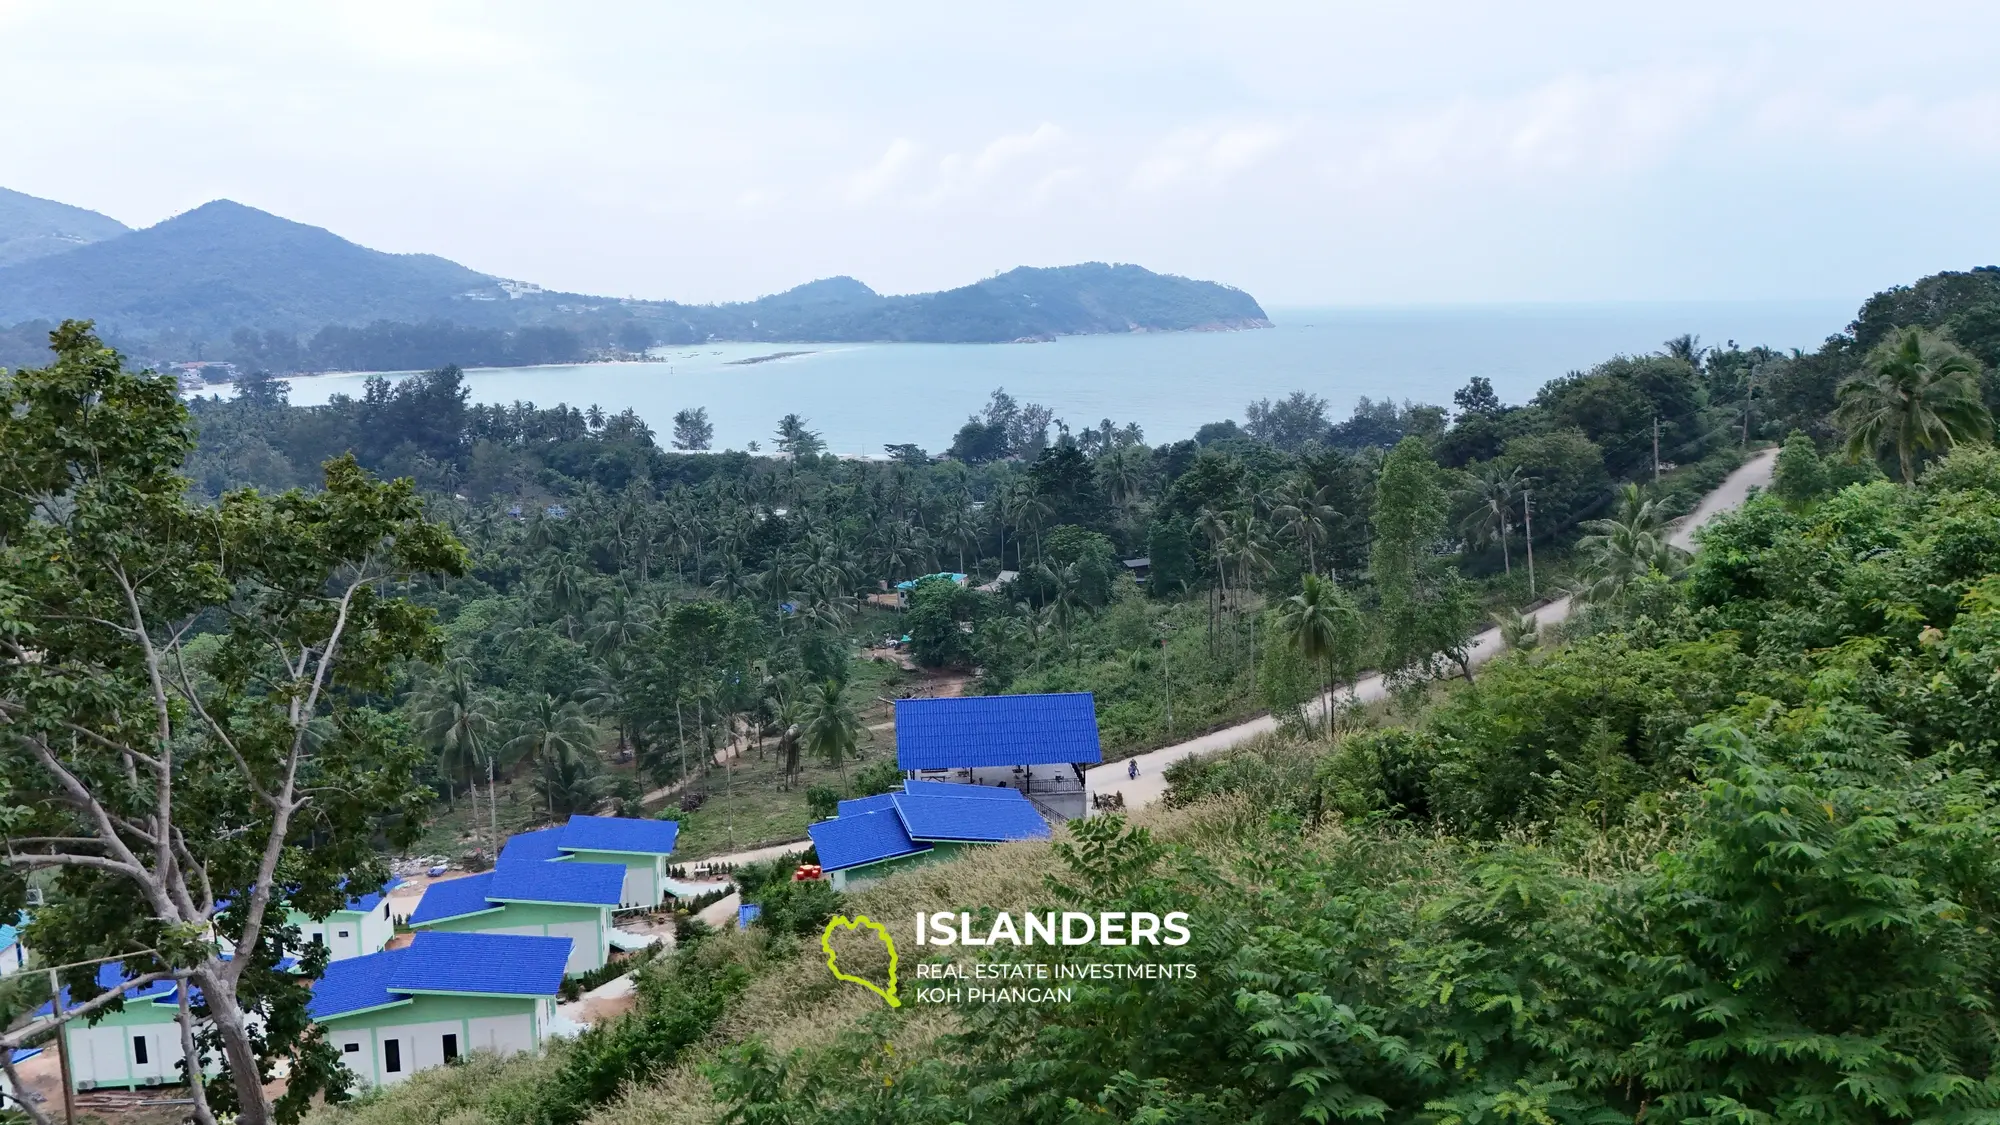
<point x="1528" y="514"/>
<point x="1656" y="449"/>
<point x="62" y="1049"/>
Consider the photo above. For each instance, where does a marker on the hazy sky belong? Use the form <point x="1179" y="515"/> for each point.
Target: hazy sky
<point x="1310" y="153"/>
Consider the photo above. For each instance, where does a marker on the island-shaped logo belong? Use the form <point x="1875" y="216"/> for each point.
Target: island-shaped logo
<point x="843" y="922"/>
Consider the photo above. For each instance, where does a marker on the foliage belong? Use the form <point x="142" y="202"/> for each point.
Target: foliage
<point x="1917" y="395"/>
<point x="172" y="804"/>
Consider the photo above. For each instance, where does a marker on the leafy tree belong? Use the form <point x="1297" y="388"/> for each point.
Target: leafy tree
<point x="692" y="429"/>
<point x="794" y="438"/>
<point x="1477" y="397"/>
<point x="561" y="745"/>
<point x="1800" y="475"/>
<point x="1492" y="498"/>
<point x="175" y="803"/>
<point x="940" y="610"/>
<point x="1426" y="611"/>
<point x="1288" y="423"/>
<point x="1917" y="395"/>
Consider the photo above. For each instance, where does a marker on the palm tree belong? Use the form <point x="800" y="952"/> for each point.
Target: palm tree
<point x="1627" y="546"/>
<point x="620" y="622"/>
<point x="1305" y="513"/>
<point x="456" y="720"/>
<point x="1916" y="393"/>
<point x="555" y="735"/>
<point x="1491" y="494"/>
<point x="828" y="728"/>
<point x="1324" y="625"/>
<point x="1123" y="478"/>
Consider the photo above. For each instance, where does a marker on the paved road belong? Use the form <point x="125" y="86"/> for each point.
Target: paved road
<point x="1151" y="784"/>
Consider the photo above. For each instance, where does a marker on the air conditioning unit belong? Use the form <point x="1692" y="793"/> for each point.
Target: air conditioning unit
<point x="34" y="896"/>
<point x="152" y="1080"/>
<point x="86" y="1084"/>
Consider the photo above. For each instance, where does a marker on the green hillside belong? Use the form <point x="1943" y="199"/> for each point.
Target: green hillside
<point x="31" y="227"/>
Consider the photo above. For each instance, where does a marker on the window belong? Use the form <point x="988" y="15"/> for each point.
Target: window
<point x="392" y="1056"/>
<point x="351" y="1048"/>
<point x="451" y="1048"/>
<point x="343" y="933"/>
<point x="139" y="1049"/>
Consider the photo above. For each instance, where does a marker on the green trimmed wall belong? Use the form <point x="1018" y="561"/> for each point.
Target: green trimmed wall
<point x="644" y="872"/>
<point x="540" y="920"/>
<point x="428" y="1012"/>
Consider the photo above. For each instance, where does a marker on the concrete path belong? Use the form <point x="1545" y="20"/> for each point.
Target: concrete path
<point x="1151" y="784"/>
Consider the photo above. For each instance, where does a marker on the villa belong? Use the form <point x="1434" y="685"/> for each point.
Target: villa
<point x="1037" y="745"/>
<point x="641" y="847"/>
<point x="361" y="927"/>
<point x="394" y="1013"/>
<point x="922" y="822"/>
<point x="526" y="897"/>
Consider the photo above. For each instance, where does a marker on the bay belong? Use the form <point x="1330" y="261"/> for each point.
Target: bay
<point x="864" y="396"/>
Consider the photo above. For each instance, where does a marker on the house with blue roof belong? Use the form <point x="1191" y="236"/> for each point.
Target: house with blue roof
<point x="1036" y="744"/>
<point x="641" y="847"/>
<point x="361" y="927"/>
<point x="138" y="1045"/>
<point x="923" y="821"/>
<point x="393" y="1013"/>
<point x="532" y="898"/>
<point x="13" y="950"/>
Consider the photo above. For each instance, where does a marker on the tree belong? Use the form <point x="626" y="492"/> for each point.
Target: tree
<point x="1491" y="496"/>
<point x="1916" y="394"/>
<point x="1427" y="610"/>
<point x="1800" y="476"/>
<point x="1289" y="423"/>
<point x="1477" y="397"/>
<point x="455" y="719"/>
<point x="1627" y="546"/>
<point x="176" y="802"/>
<point x="1305" y="513"/>
<point x="795" y="439"/>
<point x="560" y="743"/>
<point x="1322" y="623"/>
<point x="828" y="727"/>
<point x="692" y="429"/>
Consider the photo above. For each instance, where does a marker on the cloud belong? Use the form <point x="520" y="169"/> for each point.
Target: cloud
<point x="1207" y="156"/>
<point x="872" y="182"/>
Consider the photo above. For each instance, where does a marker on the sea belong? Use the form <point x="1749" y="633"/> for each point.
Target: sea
<point x="861" y="397"/>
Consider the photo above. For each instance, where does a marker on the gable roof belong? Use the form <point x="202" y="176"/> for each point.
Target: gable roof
<point x="996" y="730"/>
<point x="356" y="984"/>
<point x="362" y="904"/>
<point x="500" y="964"/>
<point x="527" y="847"/>
<point x="880" y="802"/>
<point x="584" y="884"/>
<point x="453" y="898"/>
<point x="494" y="964"/>
<point x="969" y="819"/>
<point x="957" y="789"/>
<point x="620" y="834"/>
<point x="854" y="841"/>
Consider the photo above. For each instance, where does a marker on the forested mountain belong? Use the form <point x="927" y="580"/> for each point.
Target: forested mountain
<point x="224" y="265"/>
<point x="229" y="281"/>
<point x="31" y="227"/>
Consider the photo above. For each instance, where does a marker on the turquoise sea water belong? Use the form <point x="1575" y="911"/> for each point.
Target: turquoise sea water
<point x="863" y="396"/>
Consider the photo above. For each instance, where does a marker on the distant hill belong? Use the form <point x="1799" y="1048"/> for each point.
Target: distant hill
<point x="31" y="227"/>
<point x="222" y="266"/>
<point x="296" y="297"/>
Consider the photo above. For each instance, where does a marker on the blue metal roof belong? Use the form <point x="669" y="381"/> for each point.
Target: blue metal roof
<point x="996" y="730"/>
<point x="23" y="1054"/>
<point x="955" y="789"/>
<point x="452" y="898"/>
<point x="355" y="984"/>
<point x="508" y="964"/>
<point x="523" y="847"/>
<point x="851" y="841"/>
<point x="619" y="834"/>
<point x="110" y="976"/>
<point x="585" y="884"/>
<point x="880" y="802"/>
<point x="362" y="904"/>
<point x="975" y="820"/>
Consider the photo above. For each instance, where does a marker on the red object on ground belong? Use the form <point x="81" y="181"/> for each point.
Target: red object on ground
<point x="806" y="873"/>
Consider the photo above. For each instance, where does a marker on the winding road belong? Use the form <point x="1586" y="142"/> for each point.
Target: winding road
<point x="1151" y="784"/>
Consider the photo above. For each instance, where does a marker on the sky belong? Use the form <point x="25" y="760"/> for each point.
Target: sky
<point x="1312" y="154"/>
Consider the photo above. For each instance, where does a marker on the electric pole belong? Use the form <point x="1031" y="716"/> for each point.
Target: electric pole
<point x="1528" y="515"/>
<point x="1656" y="449"/>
